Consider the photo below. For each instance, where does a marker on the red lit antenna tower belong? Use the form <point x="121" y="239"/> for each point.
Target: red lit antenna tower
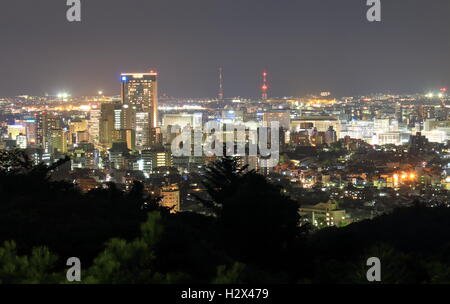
<point x="264" y="86"/>
<point x="220" y="84"/>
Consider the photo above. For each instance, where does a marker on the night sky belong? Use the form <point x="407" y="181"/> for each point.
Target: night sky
<point x="306" y="45"/>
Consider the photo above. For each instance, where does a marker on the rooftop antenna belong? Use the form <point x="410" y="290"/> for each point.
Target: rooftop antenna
<point x="220" y="84"/>
<point x="264" y="86"/>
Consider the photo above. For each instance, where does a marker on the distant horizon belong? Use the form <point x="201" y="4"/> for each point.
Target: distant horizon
<point x="161" y="94"/>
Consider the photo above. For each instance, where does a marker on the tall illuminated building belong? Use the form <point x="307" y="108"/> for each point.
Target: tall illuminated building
<point x="142" y="131"/>
<point x="57" y="141"/>
<point x="94" y="125"/>
<point x="46" y="122"/>
<point x="117" y="118"/>
<point x="107" y="124"/>
<point x="31" y="131"/>
<point x="141" y="90"/>
<point x="128" y="117"/>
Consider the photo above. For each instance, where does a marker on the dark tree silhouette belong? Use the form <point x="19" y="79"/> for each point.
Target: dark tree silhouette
<point x="257" y="222"/>
<point x="254" y="237"/>
<point x="37" y="211"/>
<point x="221" y="180"/>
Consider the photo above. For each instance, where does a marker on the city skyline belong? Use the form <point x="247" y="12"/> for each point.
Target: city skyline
<point x="263" y="91"/>
<point x="225" y="142"/>
<point x="310" y="46"/>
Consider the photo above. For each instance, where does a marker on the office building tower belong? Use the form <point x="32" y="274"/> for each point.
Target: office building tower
<point x="117" y="118"/>
<point x="44" y="123"/>
<point x="107" y="124"/>
<point x="128" y="117"/>
<point x="57" y="142"/>
<point x="142" y="130"/>
<point x="31" y="131"/>
<point x="141" y="90"/>
<point x="94" y="125"/>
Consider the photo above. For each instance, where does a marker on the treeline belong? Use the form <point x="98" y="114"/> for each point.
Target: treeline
<point x="254" y="237"/>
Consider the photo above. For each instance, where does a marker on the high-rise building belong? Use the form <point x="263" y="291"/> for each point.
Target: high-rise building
<point x="142" y="130"/>
<point x="141" y="90"/>
<point x="107" y="123"/>
<point x="117" y="118"/>
<point x="124" y="117"/>
<point x="31" y="131"/>
<point x="46" y="122"/>
<point x="57" y="141"/>
<point x="128" y="117"/>
<point x="94" y="125"/>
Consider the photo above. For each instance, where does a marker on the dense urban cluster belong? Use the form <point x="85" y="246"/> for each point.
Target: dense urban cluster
<point x="345" y="159"/>
<point x="97" y="178"/>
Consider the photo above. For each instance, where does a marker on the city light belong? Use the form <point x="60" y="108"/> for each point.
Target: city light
<point x="260" y="138"/>
<point x="63" y="95"/>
